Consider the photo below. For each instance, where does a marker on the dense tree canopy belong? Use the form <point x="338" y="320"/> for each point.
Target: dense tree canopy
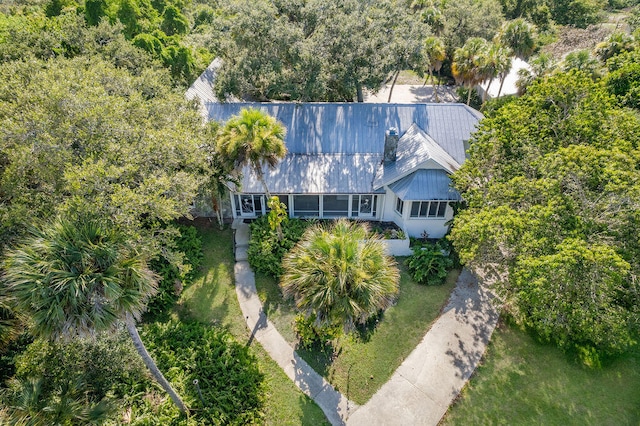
<point x="553" y="194"/>
<point x="316" y="50"/>
<point x="83" y="136"/>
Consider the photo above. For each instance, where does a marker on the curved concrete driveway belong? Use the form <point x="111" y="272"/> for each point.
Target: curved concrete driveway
<point x="432" y="376"/>
<point x="425" y="384"/>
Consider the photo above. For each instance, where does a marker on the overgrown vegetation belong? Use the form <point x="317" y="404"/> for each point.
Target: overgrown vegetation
<point x="430" y="263"/>
<point x="229" y="388"/>
<point x="267" y="249"/>
<point x="172" y="278"/>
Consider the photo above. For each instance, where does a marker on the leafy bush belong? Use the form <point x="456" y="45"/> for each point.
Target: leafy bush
<point x="230" y="383"/>
<point x="172" y="278"/>
<point x="429" y="263"/>
<point x="463" y="92"/>
<point x="266" y="250"/>
<point x="309" y="333"/>
<point x="108" y="365"/>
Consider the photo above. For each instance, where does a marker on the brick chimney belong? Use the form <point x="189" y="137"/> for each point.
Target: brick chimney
<point x="391" y="144"/>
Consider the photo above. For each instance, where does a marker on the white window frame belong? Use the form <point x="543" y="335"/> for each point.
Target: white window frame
<point x="428" y="204"/>
<point x="399" y="202"/>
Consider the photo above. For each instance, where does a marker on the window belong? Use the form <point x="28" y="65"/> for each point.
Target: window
<point x="428" y="209"/>
<point x="399" y="206"/>
<point x="364" y="205"/>
<point x="306" y="205"/>
<point x="335" y="205"/>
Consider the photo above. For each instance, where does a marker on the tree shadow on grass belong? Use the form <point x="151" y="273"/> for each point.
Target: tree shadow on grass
<point x="209" y="301"/>
<point x="319" y="356"/>
<point x="364" y="332"/>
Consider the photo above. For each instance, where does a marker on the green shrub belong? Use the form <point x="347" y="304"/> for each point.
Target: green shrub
<point x="463" y="92"/>
<point x="429" y="263"/>
<point x="266" y="250"/>
<point x="172" y="279"/>
<point x="309" y="333"/>
<point x="106" y="366"/>
<point x="231" y="385"/>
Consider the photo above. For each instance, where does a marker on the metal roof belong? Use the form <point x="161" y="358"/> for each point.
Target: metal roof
<point x="424" y="185"/>
<point x="335" y="148"/>
<point x="316" y="174"/>
<point x="202" y="88"/>
<point x="358" y="128"/>
<point x="415" y="148"/>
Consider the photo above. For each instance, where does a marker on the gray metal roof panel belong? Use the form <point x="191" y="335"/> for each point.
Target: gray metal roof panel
<point x="358" y="128"/>
<point x="202" y="88"/>
<point x="415" y="148"/>
<point x="317" y="174"/>
<point x="424" y="185"/>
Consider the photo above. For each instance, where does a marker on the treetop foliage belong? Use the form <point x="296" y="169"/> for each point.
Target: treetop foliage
<point x="553" y="197"/>
<point x="80" y="135"/>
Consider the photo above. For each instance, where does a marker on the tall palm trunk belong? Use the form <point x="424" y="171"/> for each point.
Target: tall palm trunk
<point x="359" y="94"/>
<point x="502" y="79"/>
<point x="395" y="78"/>
<point x="435" y="88"/>
<point x="151" y="365"/>
<point x="258" y="170"/>
<point x="470" y="88"/>
<point x="486" y="92"/>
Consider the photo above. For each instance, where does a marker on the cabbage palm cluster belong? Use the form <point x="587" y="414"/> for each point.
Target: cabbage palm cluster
<point x="339" y="274"/>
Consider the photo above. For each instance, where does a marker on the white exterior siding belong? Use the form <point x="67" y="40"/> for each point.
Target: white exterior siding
<point x="414" y="227"/>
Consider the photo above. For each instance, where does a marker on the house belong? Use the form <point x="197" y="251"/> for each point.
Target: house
<point x="509" y="86"/>
<point x="381" y="162"/>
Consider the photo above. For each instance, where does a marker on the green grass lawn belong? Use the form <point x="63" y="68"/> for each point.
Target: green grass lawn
<point x="522" y="382"/>
<point x="363" y="362"/>
<point x="211" y="299"/>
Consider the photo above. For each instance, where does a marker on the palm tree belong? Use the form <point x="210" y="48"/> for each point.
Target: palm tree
<point x="435" y="53"/>
<point x="252" y="139"/>
<point x="77" y="278"/>
<point x="339" y="274"/>
<point x="582" y="60"/>
<point x="519" y="36"/>
<point x="488" y="67"/>
<point x="503" y="67"/>
<point x="468" y="60"/>
<point x="541" y="66"/>
<point x="25" y="403"/>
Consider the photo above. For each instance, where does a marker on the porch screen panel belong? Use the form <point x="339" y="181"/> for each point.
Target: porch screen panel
<point x="364" y="205"/>
<point x="257" y="203"/>
<point x="306" y="205"/>
<point x="335" y="205"/>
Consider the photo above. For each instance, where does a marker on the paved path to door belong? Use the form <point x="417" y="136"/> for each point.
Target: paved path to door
<point x="425" y="384"/>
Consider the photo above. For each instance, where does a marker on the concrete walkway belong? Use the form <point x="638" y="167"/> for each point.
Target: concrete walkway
<point x="432" y="376"/>
<point x="335" y="406"/>
<point x="425" y="384"/>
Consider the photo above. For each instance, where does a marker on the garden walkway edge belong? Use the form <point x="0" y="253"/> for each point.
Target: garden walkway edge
<point x="424" y="385"/>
